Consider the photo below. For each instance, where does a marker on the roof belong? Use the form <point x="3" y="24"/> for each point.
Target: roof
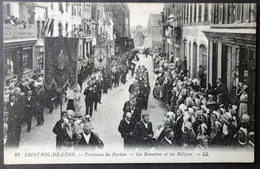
<point x="155" y="18"/>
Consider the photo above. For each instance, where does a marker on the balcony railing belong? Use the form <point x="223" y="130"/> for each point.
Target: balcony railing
<point x="19" y="32"/>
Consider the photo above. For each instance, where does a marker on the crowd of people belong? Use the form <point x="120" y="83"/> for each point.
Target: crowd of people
<point x="24" y="102"/>
<point x="197" y="119"/>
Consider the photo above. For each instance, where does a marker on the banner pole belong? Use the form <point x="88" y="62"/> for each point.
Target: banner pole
<point x="61" y="104"/>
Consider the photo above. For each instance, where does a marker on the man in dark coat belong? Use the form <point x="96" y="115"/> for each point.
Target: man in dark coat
<point x="89" y="140"/>
<point x="14" y="122"/>
<point x="168" y="140"/>
<point x="28" y="109"/>
<point x="58" y="129"/>
<point x="221" y="89"/>
<point x="126" y="127"/>
<point x="146" y="91"/>
<point x="99" y="88"/>
<point x="80" y="79"/>
<point x="130" y="106"/>
<point x="179" y="122"/>
<point x="143" y="132"/>
<point x="89" y="100"/>
<point x="40" y="104"/>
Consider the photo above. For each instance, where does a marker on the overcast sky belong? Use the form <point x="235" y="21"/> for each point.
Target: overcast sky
<point x="139" y="12"/>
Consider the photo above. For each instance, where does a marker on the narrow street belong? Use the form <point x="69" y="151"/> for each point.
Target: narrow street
<point x="106" y="118"/>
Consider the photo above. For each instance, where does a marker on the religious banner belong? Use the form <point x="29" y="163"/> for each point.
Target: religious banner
<point x="61" y="59"/>
<point x="100" y="57"/>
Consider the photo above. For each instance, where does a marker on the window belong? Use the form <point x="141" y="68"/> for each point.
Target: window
<point x="226" y="13"/>
<point x="253" y="13"/>
<point x="200" y="13"/>
<point x="40" y="60"/>
<point x="8" y="9"/>
<point x="238" y="12"/>
<point x="67" y="4"/>
<point x="246" y="13"/>
<point x="234" y="67"/>
<point x="98" y="14"/>
<point x="232" y="12"/>
<point x="38" y="28"/>
<point x="220" y="15"/>
<point x="43" y="23"/>
<point x="61" y="7"/>
<point x="206" y="11"/>
<point x="203" y="55"/>
<point x="27" y="58"/>
<point x="216" y="13"/>
<point x="184" y="13"/>
<point x="191" y="6"/>
<point x="187" y="15"/>
<point x="195" y="12"/>
<point x="10" y="62"/>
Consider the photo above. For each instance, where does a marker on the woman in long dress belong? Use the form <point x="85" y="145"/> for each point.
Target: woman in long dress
<point x="243" y="103"/>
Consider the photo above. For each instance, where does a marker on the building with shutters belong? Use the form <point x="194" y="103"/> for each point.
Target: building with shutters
<point x="232" y="47"/>
<point x="172" y="29"/>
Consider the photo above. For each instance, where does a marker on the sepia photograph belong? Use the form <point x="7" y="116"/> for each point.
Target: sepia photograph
<point x="88" y="82"/>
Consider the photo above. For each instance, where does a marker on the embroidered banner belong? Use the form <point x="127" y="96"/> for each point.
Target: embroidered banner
<point x="61" y="60"/>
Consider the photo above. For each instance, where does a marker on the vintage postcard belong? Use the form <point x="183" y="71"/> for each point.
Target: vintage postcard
<point x="129" y="82"/>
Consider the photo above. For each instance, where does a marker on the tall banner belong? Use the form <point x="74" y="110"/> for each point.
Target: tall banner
<point x="61" y="59"/>
<point x="100" y="57"/>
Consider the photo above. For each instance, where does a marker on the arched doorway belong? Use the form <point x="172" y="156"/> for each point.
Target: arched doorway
<point x="194" y="60"/>
<point x="203" y="56"/>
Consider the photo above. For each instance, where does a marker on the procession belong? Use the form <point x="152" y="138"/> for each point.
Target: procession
<point x="146" y="94"/>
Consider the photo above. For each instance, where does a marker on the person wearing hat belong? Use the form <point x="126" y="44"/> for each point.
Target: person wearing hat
<point x="40" y="104"/>
<point x="105" y="80"/>
<point x="179" y="122"/>
<point x="100" y="85"/>
<point x="146" y="90"/>
<point x="188" y="135"/>
<point x="28" y="104"/>
<point x="89" y="99"/>
<point x="58" y="129"/>
<point x="221" y="89"/>
<point x="216" y="136"/>
<point x="88" y="139"/>
<point x="124" y="74"/>
<point x="14" y="122"/>
<point x="125" y="128"/>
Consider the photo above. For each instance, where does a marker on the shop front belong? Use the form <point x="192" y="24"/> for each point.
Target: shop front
<point x="232" y="58"/>
<point x="19" y="49"/>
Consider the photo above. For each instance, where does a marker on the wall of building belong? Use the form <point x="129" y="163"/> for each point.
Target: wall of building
<point x="194" y="35"/>
<point x="196" y="19"/>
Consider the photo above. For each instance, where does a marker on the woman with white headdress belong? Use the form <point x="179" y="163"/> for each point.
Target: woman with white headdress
<point x="243" y="103"/>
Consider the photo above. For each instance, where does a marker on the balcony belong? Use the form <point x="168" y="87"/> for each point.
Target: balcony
<point x="19" y="32"/>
